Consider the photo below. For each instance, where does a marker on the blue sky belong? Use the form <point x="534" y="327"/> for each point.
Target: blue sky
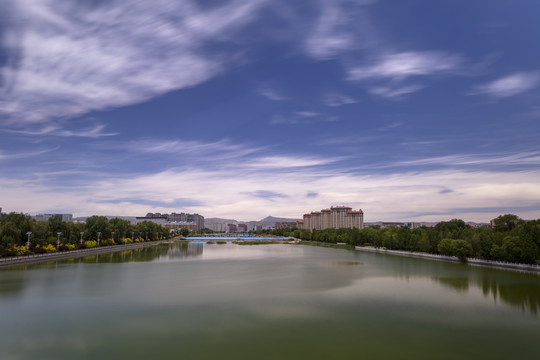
<point x="411" y="110"/>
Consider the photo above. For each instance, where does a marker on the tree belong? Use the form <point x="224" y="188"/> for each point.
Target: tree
<point x="507" y="222"/>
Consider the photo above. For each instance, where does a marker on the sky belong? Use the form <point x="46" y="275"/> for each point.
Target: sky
<point x="410" y="110"/>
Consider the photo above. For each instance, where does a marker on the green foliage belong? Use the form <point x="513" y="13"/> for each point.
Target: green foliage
<point x="507" y="222"/>
<point x="514" y="240"/>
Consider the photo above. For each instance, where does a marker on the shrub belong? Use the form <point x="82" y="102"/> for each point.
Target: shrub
<point x="20" y="250"/>
<point x="6" y="253"/>
<point x="107" y="242"/>
<point x="90" y="243"/>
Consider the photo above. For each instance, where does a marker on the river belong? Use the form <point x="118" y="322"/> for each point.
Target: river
<point x="228" y="301"/>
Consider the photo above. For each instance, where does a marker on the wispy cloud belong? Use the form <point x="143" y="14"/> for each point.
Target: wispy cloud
<point x="339" y="29"/>
<point x="394" y="92"/>
<point x="337" y="99"/>
<point x="68" y="59"/>
<point x="509" y="85"/>
<point x="19" y="155"/>
<point x="307" y="114"/>
<point x="272" y="94"/>
<point x="302" y="117"/>
<point x="525" y="158"/>
<point x="54" y="130"/>
<point x="400" y="66"/>
<point x="330" y="35"/>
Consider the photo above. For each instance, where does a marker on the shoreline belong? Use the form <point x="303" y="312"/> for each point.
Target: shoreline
<point x="470" y="261"/>
<point x="72" y="254"/>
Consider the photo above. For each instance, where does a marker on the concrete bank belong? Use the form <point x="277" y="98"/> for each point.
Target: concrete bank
<point x="470" y="261"/>
<point x="29" y="259"/>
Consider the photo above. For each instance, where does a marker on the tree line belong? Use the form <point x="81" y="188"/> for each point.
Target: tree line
<point x="510" y="239"/>
<point x="14" y="228"/>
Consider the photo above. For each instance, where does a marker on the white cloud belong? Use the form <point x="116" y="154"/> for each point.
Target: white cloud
<point x="229" y="193"/>
<point x="400" y="66"/>
<point x="69" y="59"/>
<point x="510" y="85"/>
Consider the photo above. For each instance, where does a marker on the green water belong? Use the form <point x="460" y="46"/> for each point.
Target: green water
<point x="213" y="301"/>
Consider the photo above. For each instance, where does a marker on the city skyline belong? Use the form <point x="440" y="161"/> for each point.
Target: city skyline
<point x="411" y="111"/>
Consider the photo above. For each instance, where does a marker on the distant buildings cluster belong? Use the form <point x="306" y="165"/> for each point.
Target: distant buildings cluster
<point x="46" y="217"/>
<point x="192" y="222"/>
<point x="336" y="217"/>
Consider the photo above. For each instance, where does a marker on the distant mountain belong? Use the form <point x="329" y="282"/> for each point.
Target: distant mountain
<point x="266" y="222"/>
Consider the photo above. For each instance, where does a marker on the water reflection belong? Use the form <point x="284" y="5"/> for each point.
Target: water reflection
<point x="300" y="269"/>
<point x="511" y="291"/>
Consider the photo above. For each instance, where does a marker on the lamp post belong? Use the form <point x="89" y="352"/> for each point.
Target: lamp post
<point x="28" y="242"/>
<point x="82" y="233"/>
<point x="112" y="235"/>
<point x="58" y="241"/>
<point x="124" y="238"/>
<point x="147" y="236"/>
<point x="98" y="236"/>
<point x="132" y="236"/>
<point x="140" y="236"/>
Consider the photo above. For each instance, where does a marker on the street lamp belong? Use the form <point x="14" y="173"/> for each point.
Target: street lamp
<point x="112" y="235"/>
<point x="140" y="236"/>
<point x="147" y="236"/>
<point x="98" y="236"/>
<point x="82" y="233"/>
<point x="132" y="236"/>
<point x="58" y="242"/>
<point x="28" y="242"/>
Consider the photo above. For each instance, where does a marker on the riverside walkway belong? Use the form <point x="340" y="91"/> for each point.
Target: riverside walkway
<point x="27" y="259"/>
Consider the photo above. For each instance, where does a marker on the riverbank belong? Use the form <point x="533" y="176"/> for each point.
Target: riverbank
<point x="470" y="261"/>
<point x="30" y="259"/>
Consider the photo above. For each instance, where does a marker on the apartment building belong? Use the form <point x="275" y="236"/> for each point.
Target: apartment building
<point x="336" y="217"/>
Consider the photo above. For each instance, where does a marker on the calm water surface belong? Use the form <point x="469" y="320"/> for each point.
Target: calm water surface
<point x="209" y="301"/>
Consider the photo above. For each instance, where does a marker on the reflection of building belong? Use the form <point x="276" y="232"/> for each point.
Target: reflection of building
<point x="232" y="228"/>
<point x="163" y="219"/>
<point x="242" y="228"/>
<point x="46" y="217"/>
<point x="335" y="217"/>
<point x="191" y="226"/>
<point x="285" y="225"/>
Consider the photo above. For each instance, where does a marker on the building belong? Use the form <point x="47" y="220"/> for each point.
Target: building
<point x="162" y="219"/>
<point x="285" y="225"/>
<point x="242" y="228"/>
<point x="46" y="217"/>
<point x="232" y="228"/>
<point x="336" y="217"/>
<point x="220" y="227"/>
